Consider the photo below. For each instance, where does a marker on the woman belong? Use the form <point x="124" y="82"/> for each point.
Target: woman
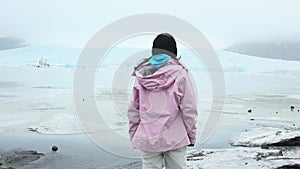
<point x="163" y="111"/>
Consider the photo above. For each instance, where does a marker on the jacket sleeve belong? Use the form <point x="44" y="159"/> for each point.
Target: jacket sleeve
<point x="133" y="111"/>
<point x="188" y="106"/>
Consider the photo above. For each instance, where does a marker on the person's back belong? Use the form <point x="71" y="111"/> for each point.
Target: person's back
<point x="163" y="112"/>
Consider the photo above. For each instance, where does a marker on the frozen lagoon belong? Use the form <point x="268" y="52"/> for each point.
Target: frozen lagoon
<point x="41" y="99"/>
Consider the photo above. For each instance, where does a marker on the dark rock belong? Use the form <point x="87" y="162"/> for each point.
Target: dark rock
<point x="263" y="155"/>
<point x="277" y="112"/>
<point x="264" y="146"/>
<point x="292" y="108"/>
<point x="289" y="166"/>
<point x="54" y="148"/>
<point x="252" y="119"/>
<point x="18" y="157"/>
<point x="278" y="133"/>
<point x="289" y="142"/>
<point x="197" y="154"/>
<point x="32" y="129"/>
<point x="250" y="111"/>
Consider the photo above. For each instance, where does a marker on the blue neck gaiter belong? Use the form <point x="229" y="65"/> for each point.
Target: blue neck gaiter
<point x="159" y="60"/>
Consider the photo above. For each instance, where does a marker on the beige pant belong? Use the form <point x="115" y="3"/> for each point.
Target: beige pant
<point x="173" y="159"/>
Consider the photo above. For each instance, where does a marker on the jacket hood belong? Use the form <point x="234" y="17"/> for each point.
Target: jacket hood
<point x="153" y="78"/>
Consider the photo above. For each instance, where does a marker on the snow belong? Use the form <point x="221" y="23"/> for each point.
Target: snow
<point x="41" y="106"/>
<point x="242" y="157"/>
<point x="250" y="155"/>
<point x="266" y="135"/>
<point x="62" y="124"/>
<point x="294" y="97"/>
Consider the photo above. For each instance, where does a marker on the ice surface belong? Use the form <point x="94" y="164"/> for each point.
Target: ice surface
<point x="62" y="124"/>
<point x="242" y="157"/>
<point x="265" y="135"/>
<point x="243" y="74"/>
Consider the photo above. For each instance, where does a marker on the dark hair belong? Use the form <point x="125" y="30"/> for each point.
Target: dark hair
<point x="165" y="43"/>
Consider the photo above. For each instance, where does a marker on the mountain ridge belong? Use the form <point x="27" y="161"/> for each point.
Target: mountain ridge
<point x="285" y="50"/>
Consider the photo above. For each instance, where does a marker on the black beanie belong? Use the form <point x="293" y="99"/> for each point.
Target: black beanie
<point x="164" y="44"/>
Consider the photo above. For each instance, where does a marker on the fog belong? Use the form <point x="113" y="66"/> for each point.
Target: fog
<point x="225" y="22"/>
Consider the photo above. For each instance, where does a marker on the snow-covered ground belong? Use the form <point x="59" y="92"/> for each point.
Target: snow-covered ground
<point x="251" y="155"/>
<point x="265" y="136"/>
<point x="62" y="123"/>
<point x="242" y="157"/>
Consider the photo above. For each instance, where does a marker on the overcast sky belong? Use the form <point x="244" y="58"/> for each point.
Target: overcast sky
<point x="223" y="22"/>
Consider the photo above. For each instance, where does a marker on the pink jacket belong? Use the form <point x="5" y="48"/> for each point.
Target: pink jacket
<point x="163" y="111"/>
